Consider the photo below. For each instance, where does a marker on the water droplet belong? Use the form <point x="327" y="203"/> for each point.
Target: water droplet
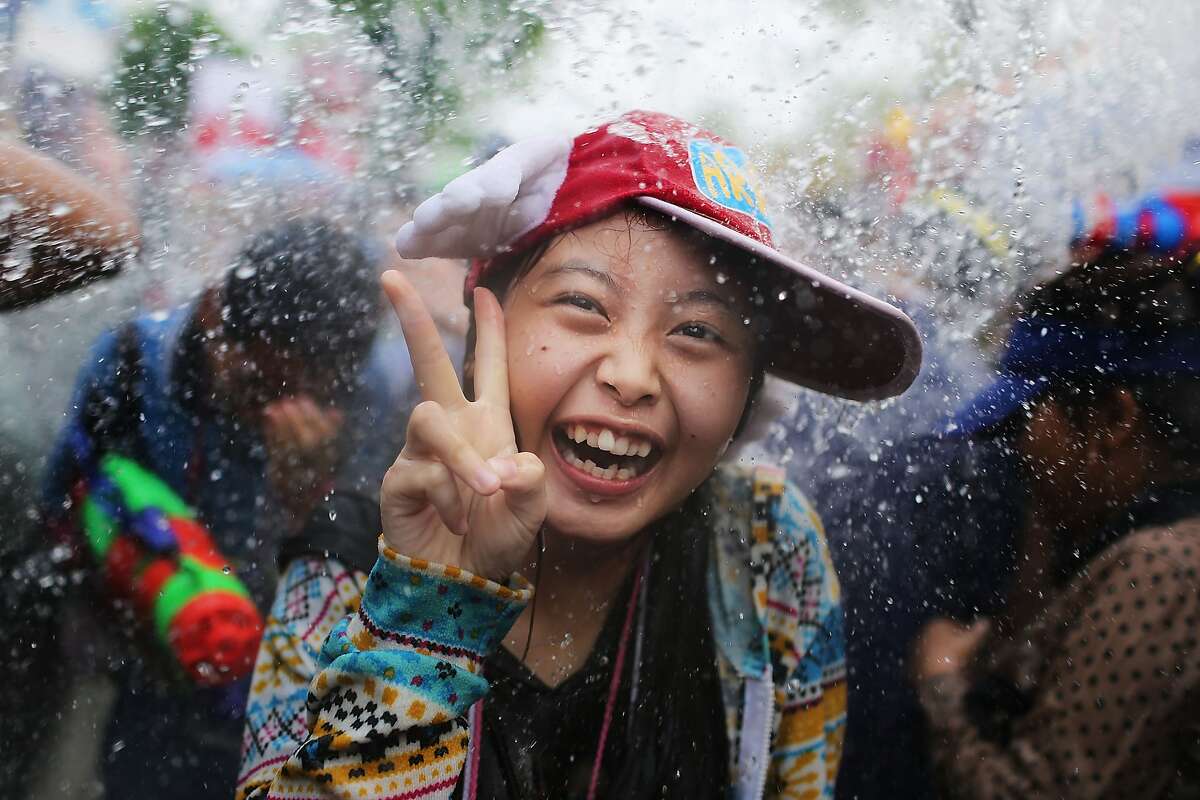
<point x="9" y="206"/>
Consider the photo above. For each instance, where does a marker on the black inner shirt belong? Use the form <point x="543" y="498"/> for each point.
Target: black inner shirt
<point x="540" y="741"/>
<point x="669" y="742"/>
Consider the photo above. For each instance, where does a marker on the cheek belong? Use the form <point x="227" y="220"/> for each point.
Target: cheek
<point x="541" y="370"/>
<point x="709" y="402"/>
<point x="1044" y="441"/>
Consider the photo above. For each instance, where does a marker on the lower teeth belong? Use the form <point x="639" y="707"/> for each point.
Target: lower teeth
<point x="612" y="472"/>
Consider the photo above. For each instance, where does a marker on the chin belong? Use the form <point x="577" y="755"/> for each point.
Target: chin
<point x="602" y="520"/>
<point x="579" y="518"/>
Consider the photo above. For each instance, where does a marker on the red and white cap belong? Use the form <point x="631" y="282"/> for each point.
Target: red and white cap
<point x="824" y="334"/>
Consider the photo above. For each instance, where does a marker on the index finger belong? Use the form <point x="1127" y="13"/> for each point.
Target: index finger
<point x="435" y="375"/>
<point x="491" y="349"/>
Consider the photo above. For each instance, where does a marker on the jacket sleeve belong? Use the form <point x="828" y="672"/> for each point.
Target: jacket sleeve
<point x="96" y="394"/>
<point x="1115" y="691"/>
<point x="804" y="623"/>
<point x="313" y="595"/>
<point x="386" y="711"/>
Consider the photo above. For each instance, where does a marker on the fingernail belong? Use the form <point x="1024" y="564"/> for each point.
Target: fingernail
<point x="506" y="468"/>
<point x="486" y="481"/>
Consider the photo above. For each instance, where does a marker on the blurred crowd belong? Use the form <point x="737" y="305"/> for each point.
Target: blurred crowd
<point x="1016" y="538"/>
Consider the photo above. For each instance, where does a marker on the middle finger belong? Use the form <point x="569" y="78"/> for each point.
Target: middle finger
<point x="491" y="349"/>
<point x="432" y="434"/>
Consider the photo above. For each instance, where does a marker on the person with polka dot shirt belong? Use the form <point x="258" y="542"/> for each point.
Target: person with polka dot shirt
<point x="1087" y="685"/>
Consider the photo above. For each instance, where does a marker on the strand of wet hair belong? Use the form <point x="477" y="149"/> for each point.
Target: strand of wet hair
<point x="537" y="579"/>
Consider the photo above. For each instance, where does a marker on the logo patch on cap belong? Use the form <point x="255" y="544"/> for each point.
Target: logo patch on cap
<point x="721" y="175"/>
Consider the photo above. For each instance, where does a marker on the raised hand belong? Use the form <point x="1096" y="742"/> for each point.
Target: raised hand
<point x="302" y="451"/>
<point x="460" y="493"/>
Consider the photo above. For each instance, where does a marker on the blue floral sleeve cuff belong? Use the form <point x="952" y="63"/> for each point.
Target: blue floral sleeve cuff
<point x="436" y="610"/>
<point x="424" y="629"/>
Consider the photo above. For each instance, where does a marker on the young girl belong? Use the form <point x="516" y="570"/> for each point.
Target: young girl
<point x="685" y="635"/>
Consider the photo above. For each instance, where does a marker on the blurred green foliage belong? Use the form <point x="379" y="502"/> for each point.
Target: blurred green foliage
<point x="151" y="87"/>
<point x="431" y="47"/>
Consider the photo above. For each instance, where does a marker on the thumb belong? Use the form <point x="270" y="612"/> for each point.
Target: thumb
<point x="331" y="422"/>
<point x="978" y="630"/>
<point x="523" y="481"/>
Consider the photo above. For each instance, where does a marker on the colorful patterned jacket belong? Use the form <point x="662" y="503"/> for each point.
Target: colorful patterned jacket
<point x="371" y="698"/>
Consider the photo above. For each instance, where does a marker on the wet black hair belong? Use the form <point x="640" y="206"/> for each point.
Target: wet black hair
<point x="675" y="742"/>
<point x="307" y="287"/>
<point x="1143" y="295"/>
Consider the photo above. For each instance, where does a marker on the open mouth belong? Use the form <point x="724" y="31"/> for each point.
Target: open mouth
<point x="605" y="453"/>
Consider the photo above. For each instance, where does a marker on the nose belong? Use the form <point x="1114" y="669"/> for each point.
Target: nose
<point x="630" y="375"/>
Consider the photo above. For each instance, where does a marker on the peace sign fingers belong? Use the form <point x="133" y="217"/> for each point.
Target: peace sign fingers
<point x="491" y="350"/>
<point x="432" y="369"/>
<point x="460" y="471"/>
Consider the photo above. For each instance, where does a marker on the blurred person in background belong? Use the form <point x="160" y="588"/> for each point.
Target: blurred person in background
<point x="58" y="229"/>
<point x="249" y="402"/>
<point x="1085" y="683"/>
<point x="65" y="219"/>
<point x="71" y="122"/>
<point x="62" y="225"/>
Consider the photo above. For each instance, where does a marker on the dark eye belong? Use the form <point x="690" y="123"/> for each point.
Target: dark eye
<point x="698" y="330"/>
<point x="582" y="302"/>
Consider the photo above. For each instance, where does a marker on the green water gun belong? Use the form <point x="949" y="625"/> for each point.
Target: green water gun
<point x="155" y="554"/>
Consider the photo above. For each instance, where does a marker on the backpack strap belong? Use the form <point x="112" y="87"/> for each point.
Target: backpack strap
<point x="111" y="418"/>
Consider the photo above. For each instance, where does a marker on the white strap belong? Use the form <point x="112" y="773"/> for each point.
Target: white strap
<point x="470" y="773"/>
<point x="754" y="752"/>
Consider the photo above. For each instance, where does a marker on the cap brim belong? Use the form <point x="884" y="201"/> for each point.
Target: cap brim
<point x="825" y="335"/>
<point x="1007" y="395"/>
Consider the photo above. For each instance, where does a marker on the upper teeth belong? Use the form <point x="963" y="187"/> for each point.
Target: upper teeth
<point x="609" y="441"/>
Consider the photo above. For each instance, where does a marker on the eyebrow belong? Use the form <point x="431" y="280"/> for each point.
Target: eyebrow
<point x="694" y="297"/>
<point x="583" y="268"/>
<point x="703" y="297"/>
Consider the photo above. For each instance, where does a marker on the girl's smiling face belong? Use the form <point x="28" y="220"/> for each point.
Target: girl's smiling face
<point x="630" y="364"/>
